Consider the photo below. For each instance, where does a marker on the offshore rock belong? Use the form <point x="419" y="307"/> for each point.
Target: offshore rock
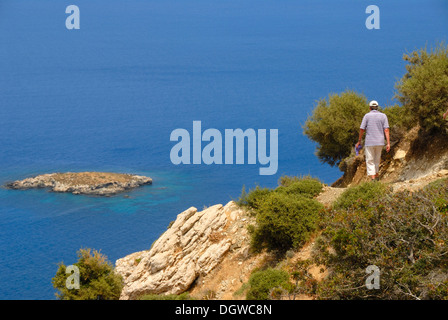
<point x="89" y="183"/>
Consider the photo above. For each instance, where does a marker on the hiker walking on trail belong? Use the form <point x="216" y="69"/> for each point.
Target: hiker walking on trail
<point x="376" y="126"/>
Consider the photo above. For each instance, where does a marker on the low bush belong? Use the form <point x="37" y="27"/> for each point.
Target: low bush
<point x="284" y="222"/>
<point x="285" y="216"/>
<point x="262" y="282"/>
<point x="361" y="195"/>
<point x="307" y="186"/>
<point x="97" y="279"/>
<point x="437" y="191"/>
<point x="253" y="198"/>
<point x="405" y="235"/>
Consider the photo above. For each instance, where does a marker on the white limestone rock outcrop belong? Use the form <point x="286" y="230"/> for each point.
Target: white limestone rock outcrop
<point x="192" y="246"/>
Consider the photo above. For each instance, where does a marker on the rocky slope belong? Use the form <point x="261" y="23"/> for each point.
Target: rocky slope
<point x="411" y="157"/>
<point x="207" y="253"/>
<point x="89" y="183"/>
<point x="188" y="251"/>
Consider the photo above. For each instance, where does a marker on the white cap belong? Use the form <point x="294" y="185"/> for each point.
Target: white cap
<point x="373" y="103"/>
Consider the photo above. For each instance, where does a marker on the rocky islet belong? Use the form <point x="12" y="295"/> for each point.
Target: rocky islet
<point x="87" y="183"/>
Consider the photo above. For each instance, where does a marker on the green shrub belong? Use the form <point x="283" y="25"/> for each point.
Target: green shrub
<point x="361" y="195"/>
<point x="437" y="188"/>
<point x="334" y="125"/>
<point x="284" y="221"/>
<point x="423" y="90"/>
<point x="286" y="216"/>
<point x="437" y="191"/>
<point x="403" y="234"/>
<point x="262" y="282"/>
<point x="399" y="118"/>
<point x="286" y="181"/>
<point x="252" y="198"/>
<point x="291" y="185"/>
<point x="97" y="278"/>
<point x="308" y="187"/>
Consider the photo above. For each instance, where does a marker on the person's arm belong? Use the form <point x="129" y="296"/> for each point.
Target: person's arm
<point x="362" y="129"/>
<point x="386" y="132"/>
<point x="361" y="133"/>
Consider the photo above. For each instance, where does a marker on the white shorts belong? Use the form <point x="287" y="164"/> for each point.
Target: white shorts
<point x="373" y="158"/>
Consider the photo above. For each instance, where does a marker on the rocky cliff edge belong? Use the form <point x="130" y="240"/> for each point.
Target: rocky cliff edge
<point x="194" y="244"/>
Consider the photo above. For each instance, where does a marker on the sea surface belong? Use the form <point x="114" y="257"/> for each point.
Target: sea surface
<point x="106" y="97"/>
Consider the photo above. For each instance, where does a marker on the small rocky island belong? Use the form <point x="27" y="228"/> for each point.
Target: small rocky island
<point x="88" y="183"/>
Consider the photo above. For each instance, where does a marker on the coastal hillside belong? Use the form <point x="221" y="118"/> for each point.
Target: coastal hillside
<point x="412" y="157"/>
<point x="208" y="254"/>
<point x="305" y="240"/>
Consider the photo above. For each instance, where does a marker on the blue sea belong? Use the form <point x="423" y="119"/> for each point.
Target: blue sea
<point x="106" y="97"/>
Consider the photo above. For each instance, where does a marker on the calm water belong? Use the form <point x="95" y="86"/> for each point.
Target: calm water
<point x="106" y="98"/>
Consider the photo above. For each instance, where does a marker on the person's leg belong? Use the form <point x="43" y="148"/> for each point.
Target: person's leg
<point x="370" y="164"/>
<point x="377" y="150"/>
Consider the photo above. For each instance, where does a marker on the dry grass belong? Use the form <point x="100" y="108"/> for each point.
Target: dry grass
<point x="91" y="178"/>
